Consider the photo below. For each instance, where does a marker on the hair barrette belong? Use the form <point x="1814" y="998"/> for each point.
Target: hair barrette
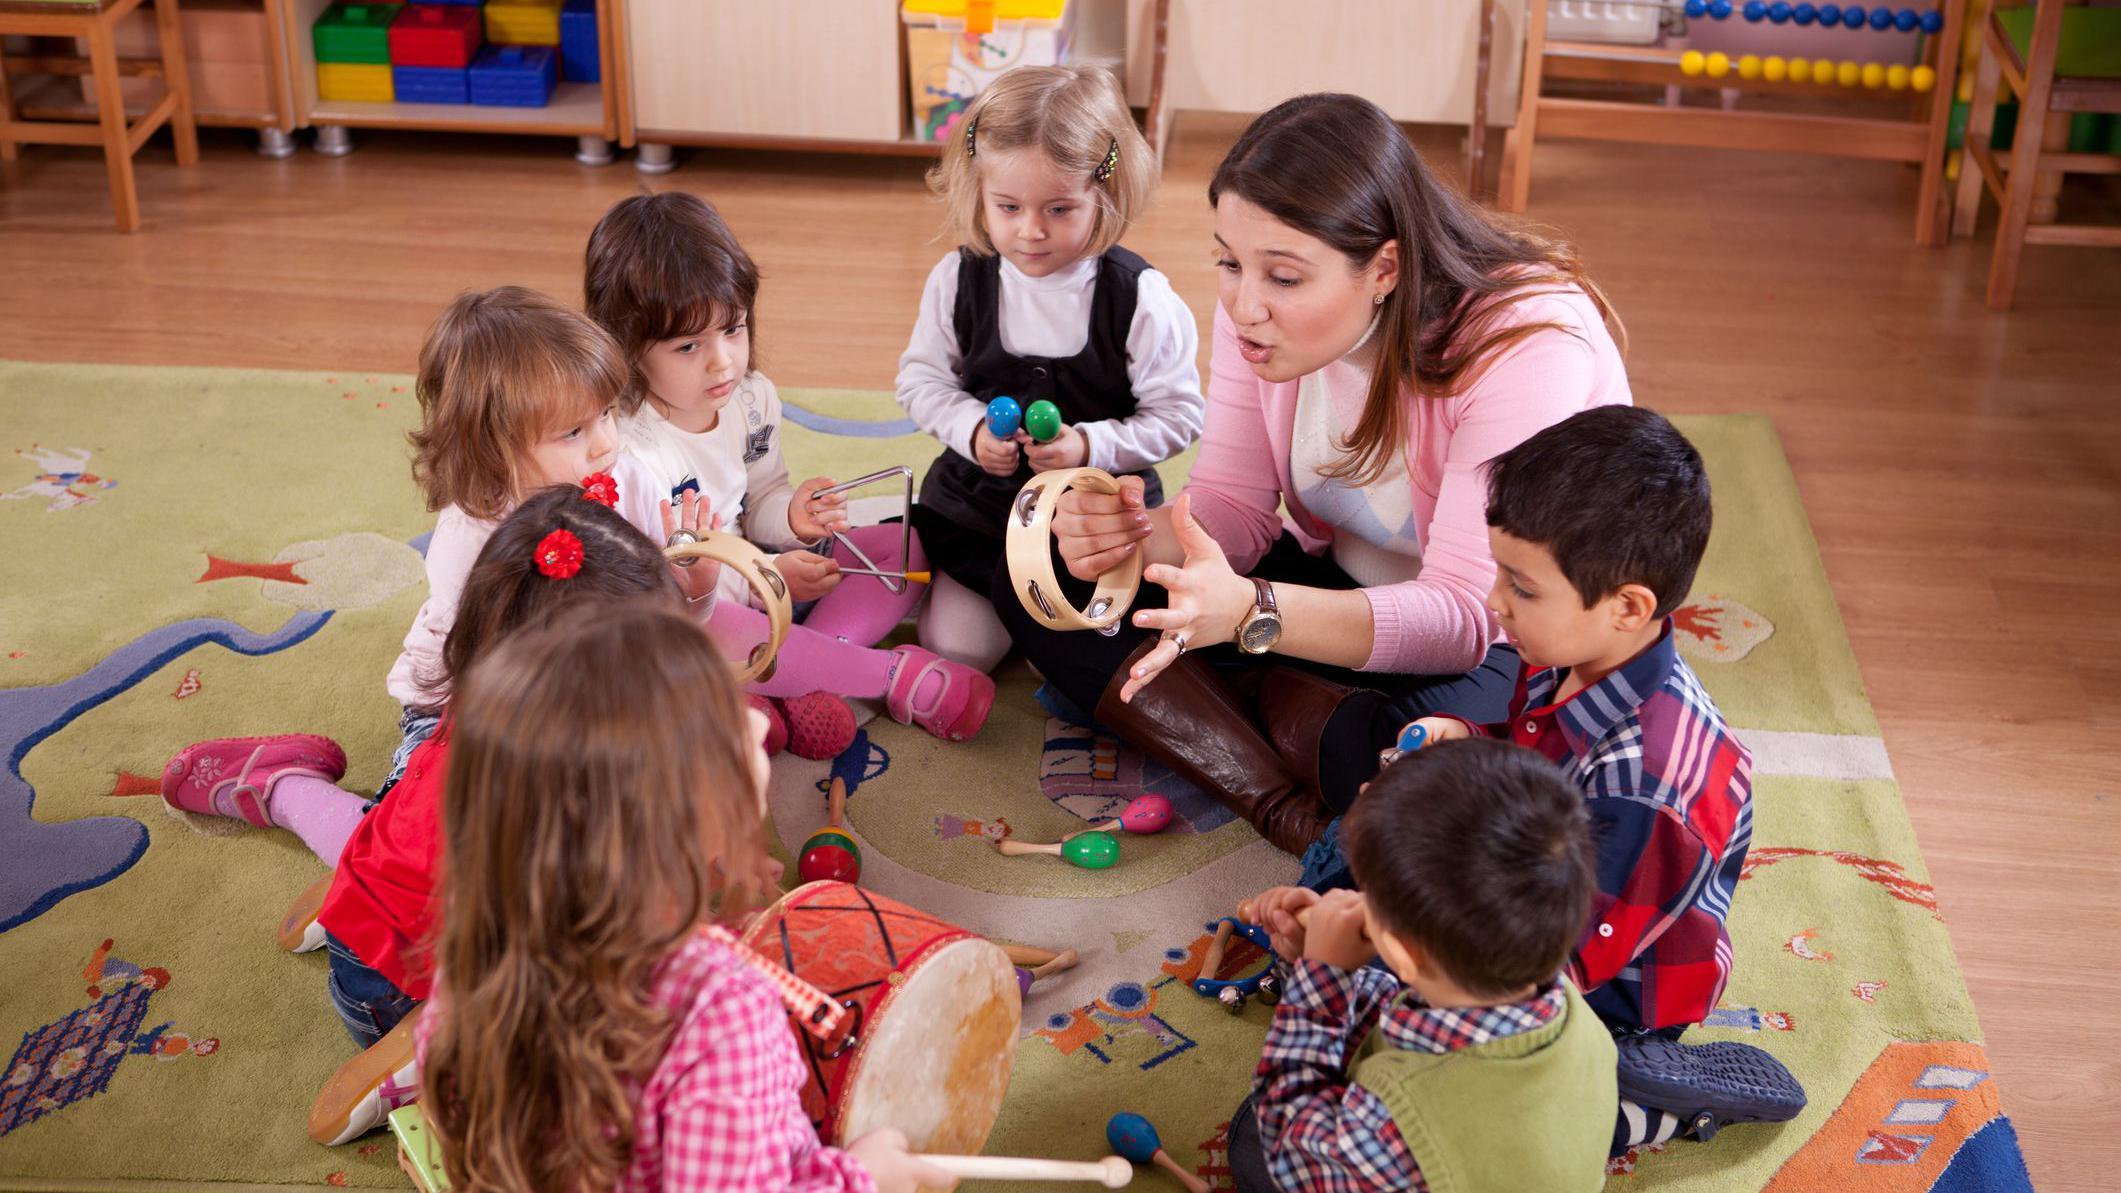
<point x="559" y="554"/>
<point x="972" y="138"/>
<point x="602" y="488"/>
<point x="1105" y="168"/>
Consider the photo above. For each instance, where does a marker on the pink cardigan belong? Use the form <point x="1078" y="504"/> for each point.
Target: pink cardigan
<point x="1437" y="623"/>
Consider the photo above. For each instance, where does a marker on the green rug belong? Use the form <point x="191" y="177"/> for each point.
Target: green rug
<point x="195" y="553"/>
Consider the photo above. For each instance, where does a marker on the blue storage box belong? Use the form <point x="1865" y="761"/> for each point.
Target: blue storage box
<point x="515" y="76"/>
<point x="431" y="84"/>
<point x="578" y="42"/>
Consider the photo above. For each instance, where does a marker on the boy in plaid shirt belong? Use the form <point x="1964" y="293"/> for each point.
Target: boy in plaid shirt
<point x="1597" y="525"/>
<point x="1471" y="1063"/>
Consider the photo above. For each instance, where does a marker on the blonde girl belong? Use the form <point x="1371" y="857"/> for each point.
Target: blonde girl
<point x="1038" y="302"/>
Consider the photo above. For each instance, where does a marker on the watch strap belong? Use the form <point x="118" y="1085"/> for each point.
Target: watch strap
<point x="1265" y="601"/>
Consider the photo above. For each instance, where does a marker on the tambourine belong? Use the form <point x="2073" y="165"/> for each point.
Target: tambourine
<point x="756" y="567"/>
<point x="1028" y="547"/>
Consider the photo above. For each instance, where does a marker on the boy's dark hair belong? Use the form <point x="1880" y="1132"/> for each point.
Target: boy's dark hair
<point x="663" y="266"/>
<point x="1616" y="494"/>
<point x="506" y="592"/>
<point x="1480" y="852"/>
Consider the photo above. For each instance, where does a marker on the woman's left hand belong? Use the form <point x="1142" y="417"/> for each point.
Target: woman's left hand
<point x="1207" y="602"/>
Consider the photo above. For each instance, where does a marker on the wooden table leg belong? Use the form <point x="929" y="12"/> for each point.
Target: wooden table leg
<point x="110" y="113"/>
<point x="1980" y="130"/>
<point x="1477" y="135"/>
<point x="8" y="152"/>
<point x="177" y="77"/>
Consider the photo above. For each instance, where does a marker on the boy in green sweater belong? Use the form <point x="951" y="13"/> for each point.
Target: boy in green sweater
<point x="1472" y="1064"/>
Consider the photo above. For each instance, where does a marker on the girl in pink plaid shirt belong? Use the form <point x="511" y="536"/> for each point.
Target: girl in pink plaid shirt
<point x="592" y="1027"/>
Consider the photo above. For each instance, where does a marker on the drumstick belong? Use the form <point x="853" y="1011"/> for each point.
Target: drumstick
<point x="1213" y="962"/>
<point x="1028" y="955"/>
<point x="1060" y="962"/>
<point x="1111" y="1172"/>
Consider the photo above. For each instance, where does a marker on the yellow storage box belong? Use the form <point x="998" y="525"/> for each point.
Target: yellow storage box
<point x="357" y="82"/>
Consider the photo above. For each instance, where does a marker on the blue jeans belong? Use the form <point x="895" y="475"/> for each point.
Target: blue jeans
<point x="416" y="726"/>
<point x="368" y="1003"/>
<point x="1247" y="1158"/>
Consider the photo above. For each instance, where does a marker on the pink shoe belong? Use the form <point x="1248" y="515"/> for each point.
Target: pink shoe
<point x="958" y="696"/>
<point x="820" y="725"/>
<point x="233" y="776"/>
<point x="776" y="723"/>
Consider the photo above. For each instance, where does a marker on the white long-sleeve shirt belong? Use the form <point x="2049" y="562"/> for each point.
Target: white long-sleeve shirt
<point x="1050" y="317"/>
<point x="737" y="467"/>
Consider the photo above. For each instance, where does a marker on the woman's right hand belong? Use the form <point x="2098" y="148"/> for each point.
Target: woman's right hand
<point x="1097" y="531"/>
<point x="895" y="1170"/>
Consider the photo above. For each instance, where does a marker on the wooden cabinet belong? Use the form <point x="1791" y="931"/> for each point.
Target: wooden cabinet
<point x="1415" y="58"/>
<point x="741" y="70"/>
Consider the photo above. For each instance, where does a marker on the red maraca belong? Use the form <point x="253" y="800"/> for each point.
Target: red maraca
<point x="1143" y="814"/>
<point x="831" y="853"/>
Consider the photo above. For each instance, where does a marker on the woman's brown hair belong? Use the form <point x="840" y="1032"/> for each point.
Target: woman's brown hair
<point x="505" y="590"/>
<point x="663" y="266"/>
<point x="1336" y="167"/>
<point x="500" y="370"/>
<point x="599" y="772"/>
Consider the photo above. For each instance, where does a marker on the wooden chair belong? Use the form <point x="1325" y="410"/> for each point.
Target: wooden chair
<point x="2058" y="59"/>
<point x="96" y="22"/>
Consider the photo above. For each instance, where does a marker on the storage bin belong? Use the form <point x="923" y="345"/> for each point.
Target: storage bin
<point x="515" y="76"/>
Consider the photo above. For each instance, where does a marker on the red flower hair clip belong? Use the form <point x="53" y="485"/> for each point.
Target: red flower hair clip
<point x="559" y="554"/>
<point x="602" y="489"/>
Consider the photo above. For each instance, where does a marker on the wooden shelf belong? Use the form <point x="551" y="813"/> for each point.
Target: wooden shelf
<point x="52" y="97"/>
<point x="576" y="110"/>
<point x="904" y="146"/>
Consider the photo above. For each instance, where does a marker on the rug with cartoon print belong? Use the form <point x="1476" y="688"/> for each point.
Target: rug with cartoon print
<point x="199" y="553"/>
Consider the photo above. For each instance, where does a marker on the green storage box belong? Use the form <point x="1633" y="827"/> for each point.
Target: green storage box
<point x="355" y="33"/>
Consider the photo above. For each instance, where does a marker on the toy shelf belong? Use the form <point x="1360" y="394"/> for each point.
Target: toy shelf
<point x="584" y="110"/>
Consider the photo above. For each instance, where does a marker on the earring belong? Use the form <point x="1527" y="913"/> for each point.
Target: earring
<point x="1377" y="300"/>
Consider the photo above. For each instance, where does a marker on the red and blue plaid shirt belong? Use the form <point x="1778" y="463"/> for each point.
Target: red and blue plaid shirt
<point x="1670" y="795"/>
<point x="1321" y="1132"/>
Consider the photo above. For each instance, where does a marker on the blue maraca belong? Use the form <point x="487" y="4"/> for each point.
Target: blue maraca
<point x="1134" y="1137"/>
<point x="1411" y="738"/>
<point x="1004" y="416"/>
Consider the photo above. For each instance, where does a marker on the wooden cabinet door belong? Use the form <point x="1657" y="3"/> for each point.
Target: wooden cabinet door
<point x="787" y="68"/>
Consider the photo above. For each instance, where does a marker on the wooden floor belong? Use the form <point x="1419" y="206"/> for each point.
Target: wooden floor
<point x="1962" y="468"/>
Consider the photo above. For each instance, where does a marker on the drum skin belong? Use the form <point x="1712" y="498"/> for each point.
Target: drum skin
<point x="935" y="1016"/>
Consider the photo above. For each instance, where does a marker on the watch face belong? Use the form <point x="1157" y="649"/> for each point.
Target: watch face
<point x="1259" y="634"/>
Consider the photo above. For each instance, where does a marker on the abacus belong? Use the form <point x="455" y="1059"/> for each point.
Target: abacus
<point x="1925" y="89"/>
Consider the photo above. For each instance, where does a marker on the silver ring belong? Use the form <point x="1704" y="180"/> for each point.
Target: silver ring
<point x="683" y="538"/>
<point x="1179" y="640"/>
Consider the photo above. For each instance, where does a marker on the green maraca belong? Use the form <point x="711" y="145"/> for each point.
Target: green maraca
<point x="1042" y="420"/>
<point x="1091" y="850"/>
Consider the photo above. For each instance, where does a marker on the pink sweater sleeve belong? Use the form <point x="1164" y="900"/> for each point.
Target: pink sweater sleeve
<point x="1236" y="482"/>
<point x="1438" y="624"/>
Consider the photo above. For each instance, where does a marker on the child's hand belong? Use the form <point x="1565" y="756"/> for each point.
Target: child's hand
<point x="883" y="1152"/>
<point x="809" y="574"/>
<point x="811" y="517"/>
<point x="1442" y="729"/>
<point x="1275" y="910"/>
<point x="1336" y="933"/>
<point x="1069" y="449"/>
<point x="997" y="456"/>
<point x="699" y="579"/>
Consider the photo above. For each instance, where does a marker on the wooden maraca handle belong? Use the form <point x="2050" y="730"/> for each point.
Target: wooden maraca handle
<point x="1214" y="960"/>
<point x="1028" y="549"/>
<point x="756" y="567"/>
<point x="1112" y="1172"/>
<point x="1192" y="1183"/>
<point x="836" y="803"/>
<point x="1014" y="848"/>
<point x="1102" y="826"/>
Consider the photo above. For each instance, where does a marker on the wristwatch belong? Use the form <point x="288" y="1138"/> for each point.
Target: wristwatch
<point x="1261" y="628"/>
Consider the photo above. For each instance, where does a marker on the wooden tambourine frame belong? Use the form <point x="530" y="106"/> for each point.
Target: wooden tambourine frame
<point x="756" y="567"/>
<point x="1029" y="548"/>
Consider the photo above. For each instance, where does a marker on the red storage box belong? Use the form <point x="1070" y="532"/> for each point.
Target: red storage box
<point x="436" y="35"/>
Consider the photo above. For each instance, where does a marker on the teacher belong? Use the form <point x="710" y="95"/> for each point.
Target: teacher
<point x="1378" y="339"/>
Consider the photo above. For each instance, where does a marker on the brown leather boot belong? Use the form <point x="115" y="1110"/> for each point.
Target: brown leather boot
<point x="1188" y="720"/>
<point x="1324" y="731"/>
